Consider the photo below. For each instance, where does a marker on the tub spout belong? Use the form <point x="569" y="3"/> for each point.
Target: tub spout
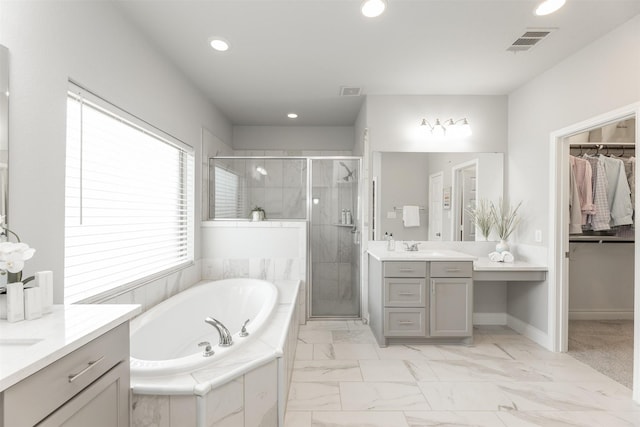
<point x="225" y="335"/>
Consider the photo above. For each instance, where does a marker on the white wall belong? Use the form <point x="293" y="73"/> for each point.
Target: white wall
<point x="93" y="44"/>
<point x="328" y="138"/>
<point x="601" y="77"/>
<point x="394" y="122"/>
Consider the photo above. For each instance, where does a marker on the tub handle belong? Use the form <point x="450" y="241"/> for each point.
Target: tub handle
<point x="207" y="348"/>
<point x="243" y="331"/>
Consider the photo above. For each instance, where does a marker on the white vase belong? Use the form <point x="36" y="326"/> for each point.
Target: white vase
<point x="257" y="215"/>
<point x="502" y="246"/>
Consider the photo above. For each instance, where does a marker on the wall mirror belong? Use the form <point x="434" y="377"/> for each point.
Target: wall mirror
<point x="4" y="128"/>
<point x="443" y="185"/>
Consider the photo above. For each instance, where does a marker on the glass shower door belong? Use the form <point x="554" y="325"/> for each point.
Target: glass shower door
<point x="335" y="238"/>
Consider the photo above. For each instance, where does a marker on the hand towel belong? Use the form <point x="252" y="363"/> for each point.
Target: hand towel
<point x="411" y="216"/>
<point x="507" y="256"/>
<point x="495" y="257"/>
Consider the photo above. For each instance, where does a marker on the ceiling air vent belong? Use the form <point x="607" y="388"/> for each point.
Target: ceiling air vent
<point x="350" y="91"/>
<point x="529" y="39"/>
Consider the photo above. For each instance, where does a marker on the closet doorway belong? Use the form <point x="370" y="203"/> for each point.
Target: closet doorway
<point x="601" y="248"/>
<point x="593" y="268"/>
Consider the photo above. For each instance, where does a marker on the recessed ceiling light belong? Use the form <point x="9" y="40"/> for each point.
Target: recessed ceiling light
<point x="292" y="115"/>
<point x="549" y="6"/>
<point x="219" y="44"/>
<point x="373" y="8"/>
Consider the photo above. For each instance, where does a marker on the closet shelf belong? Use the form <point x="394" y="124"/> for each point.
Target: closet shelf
<point x="598" y="239"/>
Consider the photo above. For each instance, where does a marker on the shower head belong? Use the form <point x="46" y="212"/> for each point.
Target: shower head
<point x="349" y="175"/>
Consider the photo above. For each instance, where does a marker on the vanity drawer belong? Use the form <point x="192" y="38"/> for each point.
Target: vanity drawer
<point x="405" y="322"/>
<point x="405" y="269"/>
<point x="401" y="292"/>
<point x="451" y="268"/>
<point x="52" y="386"/>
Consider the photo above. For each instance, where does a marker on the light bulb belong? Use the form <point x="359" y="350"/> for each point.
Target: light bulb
<point x="373" y="8"/>
<point x="549" y="6"/>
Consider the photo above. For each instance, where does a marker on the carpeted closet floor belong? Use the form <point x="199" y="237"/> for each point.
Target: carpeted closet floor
<point x="605" y="345"/>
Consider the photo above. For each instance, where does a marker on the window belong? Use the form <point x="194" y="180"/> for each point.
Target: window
<point x="129" y="201"/>
<point x="229" y="199"/>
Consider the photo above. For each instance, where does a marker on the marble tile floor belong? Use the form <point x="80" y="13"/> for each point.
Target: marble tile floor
<point x="342" y="378"/>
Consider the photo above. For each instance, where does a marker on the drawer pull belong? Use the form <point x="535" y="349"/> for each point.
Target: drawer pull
<point x="407" y="270"/>
<point x="406" y="294"/>
<point x="405" y="322"/>
<point x="74" y="377"/>
<point x="452" y="270"/>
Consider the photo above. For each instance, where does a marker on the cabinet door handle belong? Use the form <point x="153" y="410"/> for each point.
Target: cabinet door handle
<point x="406" y="294"/>
<point x="74" y="377"/>
<point x="405" y="322"/>
<point x="452" y="270"/>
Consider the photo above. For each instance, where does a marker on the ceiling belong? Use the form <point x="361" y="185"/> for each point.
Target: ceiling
<point x="294" y="55"/>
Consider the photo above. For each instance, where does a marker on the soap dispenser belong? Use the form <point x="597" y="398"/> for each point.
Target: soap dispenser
<point x="391" y="244"/>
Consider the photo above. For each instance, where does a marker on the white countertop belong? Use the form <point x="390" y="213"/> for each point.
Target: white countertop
<point x="485" y="264"/>
<point x="30" y="345"/>
<point x="400" y="254"/>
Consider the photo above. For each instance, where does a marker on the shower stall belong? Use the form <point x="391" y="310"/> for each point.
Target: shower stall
<point x="324" y="192"/>
<point x="334" y="244"/>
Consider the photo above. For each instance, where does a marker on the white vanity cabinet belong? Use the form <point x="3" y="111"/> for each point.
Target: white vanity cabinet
<point x="420" y="301"/>
<point x="87" y="387"/>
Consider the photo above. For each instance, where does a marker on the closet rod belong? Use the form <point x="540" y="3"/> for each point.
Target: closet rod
<point x="604" y="144"/>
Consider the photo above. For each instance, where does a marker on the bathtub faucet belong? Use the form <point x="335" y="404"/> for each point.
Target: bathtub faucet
<point x="225" y="335"/>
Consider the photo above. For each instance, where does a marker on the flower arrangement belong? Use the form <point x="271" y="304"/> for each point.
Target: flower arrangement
<point x="482" y="218"/>
<point x="505" y="218"/>
<point x="13" y="256"/>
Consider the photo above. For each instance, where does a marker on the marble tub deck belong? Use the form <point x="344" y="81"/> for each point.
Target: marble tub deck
<point x="341" y="378"/>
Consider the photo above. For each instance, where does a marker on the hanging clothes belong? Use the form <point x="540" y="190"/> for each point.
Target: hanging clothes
<point x="600" y="221"/>
<point x="618" y="191"/>
<point x="582" y="171"/>
<point x="575" y="209"/>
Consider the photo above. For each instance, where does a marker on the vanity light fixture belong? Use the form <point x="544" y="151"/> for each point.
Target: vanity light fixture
<point x="292" y="115"/>
<point x="547" y="7"/>
<point x="219" y="44"/>
<point x="373" y="8"/>
<point x="450" y="127"/>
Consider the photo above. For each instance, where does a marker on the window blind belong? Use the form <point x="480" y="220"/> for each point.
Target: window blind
<point x="229" y="199"/>
<point x="129" y="200"/>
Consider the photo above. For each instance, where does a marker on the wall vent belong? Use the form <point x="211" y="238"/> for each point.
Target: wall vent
<point x="350" y="91"/>
<point x="529" y="39"/>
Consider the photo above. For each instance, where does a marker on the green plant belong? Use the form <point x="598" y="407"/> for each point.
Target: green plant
<point x="505" y="218"/>
<point x="482" y="218"/>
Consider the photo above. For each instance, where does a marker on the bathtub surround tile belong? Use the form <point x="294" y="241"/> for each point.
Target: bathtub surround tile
<point x="261" y="268"/>
<point x="358" y="419"/>
<point x="261" y="396"/>
<point x="314" y="396"/>
<point x="449" y="418"/>
<point x="182" y="411"/>
<point x="289" y="269"/>
<point x="150" y="411"/>
<point x="232" y="268"/>
<point x="382" y="396"/>
<point x="225" y="405"/>
<point x="326" y="370"/>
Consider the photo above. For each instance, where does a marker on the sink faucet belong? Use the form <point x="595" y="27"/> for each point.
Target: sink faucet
<point x="411" y="247"/>
<point x="225" y="335"/>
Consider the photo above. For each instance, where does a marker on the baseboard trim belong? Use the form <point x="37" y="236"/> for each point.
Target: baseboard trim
<point x="529" y="331"/>
<point x="489" y="318"/>
<point x="601" y="315"/>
